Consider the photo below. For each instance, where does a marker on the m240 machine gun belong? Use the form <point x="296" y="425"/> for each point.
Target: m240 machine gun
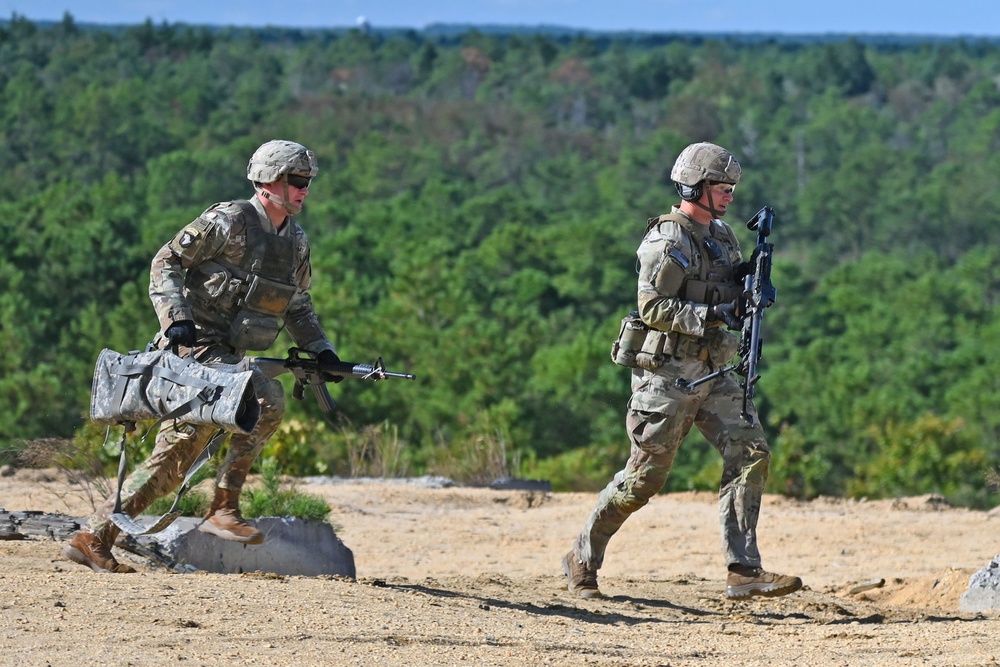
<point x="758" y="293"/>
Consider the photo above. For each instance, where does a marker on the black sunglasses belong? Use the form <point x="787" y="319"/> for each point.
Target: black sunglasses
<point x="301" y="182"/>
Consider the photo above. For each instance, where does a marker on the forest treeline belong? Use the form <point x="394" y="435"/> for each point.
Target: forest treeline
<point x="475" y="221"/>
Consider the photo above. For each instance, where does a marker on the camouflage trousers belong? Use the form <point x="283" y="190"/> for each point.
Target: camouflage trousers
<point x="659" y="417"/>
<point x="178" y="444"/>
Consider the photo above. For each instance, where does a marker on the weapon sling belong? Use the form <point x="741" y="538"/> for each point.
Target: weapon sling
<point x="133" y="527"/>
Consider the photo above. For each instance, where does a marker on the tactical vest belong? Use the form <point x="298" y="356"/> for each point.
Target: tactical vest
<point x="698" y="267"/>
<point x="256" y="293"/>
<point x="706" y="260"/>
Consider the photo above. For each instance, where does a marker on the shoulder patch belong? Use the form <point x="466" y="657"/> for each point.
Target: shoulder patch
<point x="678" y="256"/>
<point x="189" y="241"/>
<point x="188" y="237"/>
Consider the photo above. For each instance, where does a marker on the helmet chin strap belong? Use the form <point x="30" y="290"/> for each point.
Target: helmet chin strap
<point x="292" y="209"/>
<point x="711" y="204"/>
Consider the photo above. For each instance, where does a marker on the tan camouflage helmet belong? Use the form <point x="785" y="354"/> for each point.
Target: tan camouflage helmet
<point x="705" y="162"/>
<point x="277" y="157"/>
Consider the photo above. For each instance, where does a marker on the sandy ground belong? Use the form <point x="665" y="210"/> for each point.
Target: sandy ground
<point x="460" y="576"/>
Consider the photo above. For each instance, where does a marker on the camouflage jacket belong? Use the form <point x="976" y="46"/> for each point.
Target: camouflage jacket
<point x="685" y="267"/>
<point x="195" y="276"/>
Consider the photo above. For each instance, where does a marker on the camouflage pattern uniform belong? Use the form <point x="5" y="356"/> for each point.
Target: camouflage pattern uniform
<point x="671" y="258"/>
<point x="196" y="277"/>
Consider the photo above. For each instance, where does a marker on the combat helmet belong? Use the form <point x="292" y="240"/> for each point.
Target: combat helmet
<point x="705" y="162"/>
<point x="277" y="157"/>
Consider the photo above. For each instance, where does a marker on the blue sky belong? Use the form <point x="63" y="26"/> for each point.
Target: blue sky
<point x="904" y="17"/>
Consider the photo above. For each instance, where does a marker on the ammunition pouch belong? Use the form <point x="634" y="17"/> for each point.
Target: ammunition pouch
<point x="260" y="303"/>
<point x="253" y="331"/>
<point x="213" y="286"/>
<point x="160" y="385"/>
<point x="268" y="296"/>
<point x="639" y="346"/>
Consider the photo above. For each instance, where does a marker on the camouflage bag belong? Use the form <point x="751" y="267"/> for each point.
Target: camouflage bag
<point x="160" y="385"/>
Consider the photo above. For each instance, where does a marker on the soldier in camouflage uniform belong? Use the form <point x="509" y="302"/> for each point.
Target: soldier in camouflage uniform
<point x="226" y="283"/>
<point x="690" y="279"/>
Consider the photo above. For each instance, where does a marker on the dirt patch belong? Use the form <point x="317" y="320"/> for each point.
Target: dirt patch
<point x="457" y="576"/>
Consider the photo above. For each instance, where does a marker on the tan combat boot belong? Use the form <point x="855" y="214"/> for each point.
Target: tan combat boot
<point x="88" y="550"/>
<point x="224" y="519"/>
<point x="746" y="582"/>
<point x="581" y="579"/>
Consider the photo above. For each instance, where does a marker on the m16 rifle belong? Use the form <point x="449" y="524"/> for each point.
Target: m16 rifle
<point x="312" y="373"/>
<point x="758" y="293"/>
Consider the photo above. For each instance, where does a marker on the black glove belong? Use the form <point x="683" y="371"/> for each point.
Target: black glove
<point x="728" y="313"/>
<point x="182" y="333"/>
<point x="329" y="357"/>
<point x="744" y="269"/>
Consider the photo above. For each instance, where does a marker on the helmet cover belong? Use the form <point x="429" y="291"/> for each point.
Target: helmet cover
<point x="705" y="162"/>
<point x="277" y="157"/>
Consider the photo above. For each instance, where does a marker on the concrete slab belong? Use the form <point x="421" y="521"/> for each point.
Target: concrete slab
<point x="293" y="547"/>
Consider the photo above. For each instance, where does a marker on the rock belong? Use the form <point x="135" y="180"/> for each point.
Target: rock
<point x="984" y="589"/>
<point x="293" y="547"/>
<point x="867" y="586"/>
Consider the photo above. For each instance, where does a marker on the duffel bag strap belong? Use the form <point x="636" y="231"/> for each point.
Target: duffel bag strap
<point x="133" y="527"/>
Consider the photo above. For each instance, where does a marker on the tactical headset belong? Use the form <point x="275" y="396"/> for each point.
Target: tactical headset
<point x="689" y="192"/>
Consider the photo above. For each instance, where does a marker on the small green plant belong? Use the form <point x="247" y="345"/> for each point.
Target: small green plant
<point x="194" y="502"/>
<point x="272" y="499"/>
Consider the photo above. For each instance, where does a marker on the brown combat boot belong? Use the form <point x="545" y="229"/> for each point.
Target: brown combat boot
<point x="580" y="578"/>
<point x="746" y="582"/>
<point x="88" y="550"/>
<point x="224" y="519"/>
